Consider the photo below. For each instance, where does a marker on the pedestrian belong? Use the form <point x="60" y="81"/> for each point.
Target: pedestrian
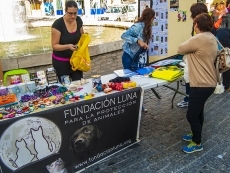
<point x="137" y="37"/>
<point x="223" y="35"/>
<point x="195" y="9"/>
<point x="65" y="34"/>
<point x="202" y="76"/>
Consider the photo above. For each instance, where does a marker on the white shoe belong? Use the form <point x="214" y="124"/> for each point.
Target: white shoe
<point x="182" y="104"/>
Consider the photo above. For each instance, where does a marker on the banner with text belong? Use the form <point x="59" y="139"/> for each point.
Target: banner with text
<point x="70" y="137"/>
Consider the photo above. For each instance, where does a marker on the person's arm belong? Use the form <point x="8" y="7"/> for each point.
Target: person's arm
<point x="82" y="30"/>
<point x="80" y="22"/>
<point x="190" y="46"/>
<point x="132" y="36"/>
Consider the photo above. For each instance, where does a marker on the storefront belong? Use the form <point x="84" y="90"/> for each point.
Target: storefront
<point x="36" y="8"/>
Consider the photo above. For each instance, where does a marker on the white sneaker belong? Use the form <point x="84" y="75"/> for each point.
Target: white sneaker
<point x="182" y="104"/>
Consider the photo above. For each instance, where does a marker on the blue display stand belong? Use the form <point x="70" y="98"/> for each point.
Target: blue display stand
<point x="59" y="12"/>
<point x="79" y="11"/>
<point x="94" y="11"/>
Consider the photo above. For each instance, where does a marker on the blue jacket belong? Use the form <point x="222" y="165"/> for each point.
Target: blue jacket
<point x="134" y="33"/>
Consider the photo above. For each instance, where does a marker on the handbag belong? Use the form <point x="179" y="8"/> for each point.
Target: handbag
<point x="6" y="99"/>
<point x="139" y="60"/>
<point x="169" y="73"/>
<point x="222" y="62"/>
<point x="80" y="59"/>
<point x="219" y="87"/>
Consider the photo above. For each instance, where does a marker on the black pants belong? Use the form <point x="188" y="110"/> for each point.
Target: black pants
<point x="195" y="112"/>
<point x="226" y="79"/>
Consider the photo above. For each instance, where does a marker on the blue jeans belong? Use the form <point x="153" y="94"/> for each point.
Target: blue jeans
<point x="126" y="61"/>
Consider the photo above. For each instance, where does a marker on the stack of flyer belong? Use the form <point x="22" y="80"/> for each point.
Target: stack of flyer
<point x="125" y="73"/>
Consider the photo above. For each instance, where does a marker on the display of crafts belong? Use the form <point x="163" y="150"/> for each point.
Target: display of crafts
<point x="50" y="95"/>
<point x="118" y="84"/>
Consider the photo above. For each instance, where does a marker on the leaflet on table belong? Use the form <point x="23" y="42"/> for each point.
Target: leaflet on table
<point x="124" y="73"/>
<point x="145" y="70"/>
<point x="158" y="45"/>
<point x="165" y="62"/>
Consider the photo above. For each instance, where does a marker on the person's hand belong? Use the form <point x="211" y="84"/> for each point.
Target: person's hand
<point x="143" y="44"/>
<point x="72" y="47"/>
<point x="223" y="13"/>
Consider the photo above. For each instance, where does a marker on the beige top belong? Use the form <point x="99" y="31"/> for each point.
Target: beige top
<point x="201" y="51"/>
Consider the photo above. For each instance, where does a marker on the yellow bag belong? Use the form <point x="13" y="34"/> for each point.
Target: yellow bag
<point x="169" y="73"/>
<point x="80" y="59"/>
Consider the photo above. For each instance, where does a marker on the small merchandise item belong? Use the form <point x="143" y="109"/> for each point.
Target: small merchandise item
<point x="15" y="79"/>
<point x="3" y="91"/>
<point x="25" y="78"/>
<point x="12" y="89"/>
<point x="96" y="80"/>
<point x="169" y="73"/>
<point x="42" y="77"/>
<point x="33" y="76"/>
<point x="31" y="86"/>
<point x="120" y="79"/>
<point x="51" y="76"/>
<point x="6" y="99"/>
<point x="65" y="80"/>
<point x="22" y="88"/>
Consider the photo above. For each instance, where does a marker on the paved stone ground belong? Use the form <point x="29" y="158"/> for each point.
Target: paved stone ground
<point x="159" y="150"/>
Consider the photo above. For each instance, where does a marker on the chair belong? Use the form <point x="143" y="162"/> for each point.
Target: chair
<point x="13" y="72"/>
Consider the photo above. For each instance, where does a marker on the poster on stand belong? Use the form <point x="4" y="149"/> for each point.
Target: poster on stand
<point x="70" y="137"/>
<point x="174" y="5"/>
<point x="143" y="4"/>
<point x="159" y="41"/>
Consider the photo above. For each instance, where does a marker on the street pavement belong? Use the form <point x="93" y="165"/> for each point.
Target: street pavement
<point x="161" y="129"/>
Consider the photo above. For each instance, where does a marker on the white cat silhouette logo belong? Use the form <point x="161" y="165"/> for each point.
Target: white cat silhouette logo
<point x="21" y="153"/>
<point x="29" y="140"/>
<point x="41" y="145"/>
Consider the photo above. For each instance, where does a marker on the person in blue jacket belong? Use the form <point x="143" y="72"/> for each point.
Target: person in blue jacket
<point x="137" y="36"/>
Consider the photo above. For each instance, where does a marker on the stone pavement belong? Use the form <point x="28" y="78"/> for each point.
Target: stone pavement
<point x="159" y="150"/>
